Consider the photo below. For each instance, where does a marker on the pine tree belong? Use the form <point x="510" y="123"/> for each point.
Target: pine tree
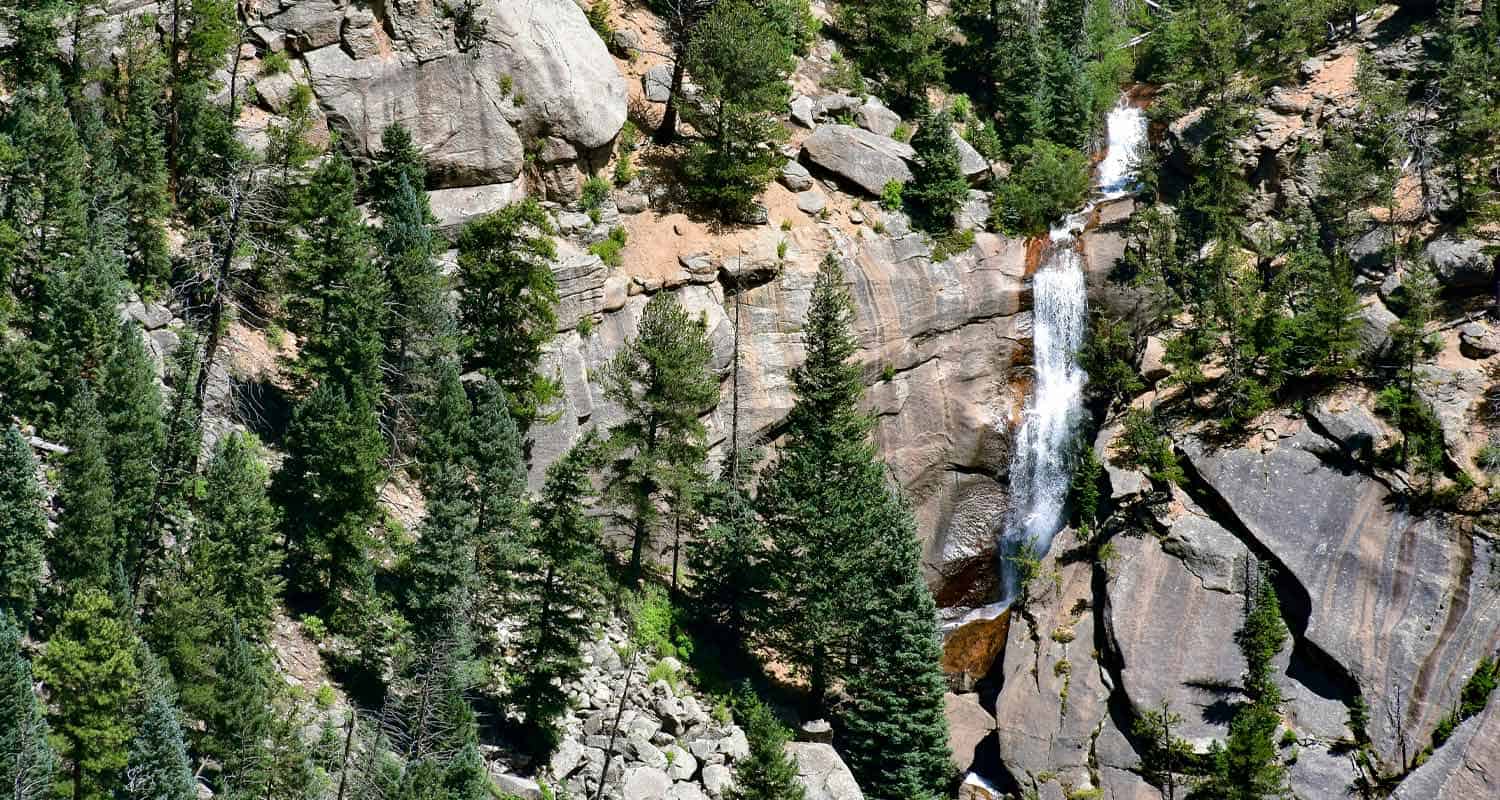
<point x="662" y="382"/>
<point x="85" y="551"/>
<point x="439" y="576"/>
<point x="141" y="158"/>
<point x="895" y="731"/>
<point x="560" y="596"/>
<point x="131" y="406"/>
<point x="728" y="560"/>
<point x="326" y="488"/>
<point x="89" y="665"/>
<point x="768" y="773"/>
<point x="340" y="304"/>
<point x="26" y="758"/>
<point x="738" y="59"/>
<point x="157" y="766"/>
<point x="238" y="715"/>
<point x="81" y="324"/>
<point x="938" y="186"/>
<point x="199" y="134"/>
<point x="501" y="521"/>
<point x="234" y="547"/>
<point x="25" y="528"/>
<point x="508" y="302"/>
<point x="824" y="501"/>
<point x="897" y="40"/>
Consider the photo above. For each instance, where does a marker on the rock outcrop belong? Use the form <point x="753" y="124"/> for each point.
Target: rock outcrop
<point x="859" y="157"/>
<point x="1467" y="766"/>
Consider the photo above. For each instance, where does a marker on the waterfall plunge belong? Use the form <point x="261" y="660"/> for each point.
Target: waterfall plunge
<point x="1042" y="459"/>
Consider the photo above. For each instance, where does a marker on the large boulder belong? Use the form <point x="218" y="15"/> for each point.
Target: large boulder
<point x="857" y="156"/>
<point x="823" y="775"/>
<point x="1461" y="263"/>
<point x="969" y="728"/>
<point x="1395" y="600"/>
<point x="470" y="110"/>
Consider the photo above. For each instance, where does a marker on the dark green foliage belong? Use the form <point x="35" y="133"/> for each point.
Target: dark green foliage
<point x="1472" y="699"/>
<point x="897" y="41"/>
<point x="89" y="666"/>
<point x="131" y="406"/>
<point x="157" y="766"/>
<point x="1471" y="106"/>
<point x="895" y="731"/>
<point x="141" y="160"/>
<point x="24" y="530"/>
<point x="738" y="58"/>
<point x="26" y="758"/>
<point x="1083" y="492"/>
<point x="824" y="501"/>
<point x="1047" y="181"/>
<point x="1144" y="444"/>
<point x="795" y="21"/>
<point x="234" y="547"/>
<point x="508" y="302"/>
<point x="326" y="487"/>
<point x="239" y="714"/>
<point x="75" y="332"/>
<point x="938" y="186"/>
<point x="1109" y="357"/>
<point x="199" y="133"/>
<point x="1164" y="755"/>
<point x="662" y="382"/>
<point x="1411" y="344"/>
<point x="85" y="548"/>
<point x="768" y="773"/>
<point x="495" y="457"/>
<point x="559" y="586"/>
<point x="340" y="300"/>
<point x="728" y="559"/>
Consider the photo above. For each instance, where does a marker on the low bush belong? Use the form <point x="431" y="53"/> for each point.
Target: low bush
<point x="1046" y="181"/>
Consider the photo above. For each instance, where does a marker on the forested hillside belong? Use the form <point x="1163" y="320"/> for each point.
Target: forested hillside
<point x="661" y="399"/>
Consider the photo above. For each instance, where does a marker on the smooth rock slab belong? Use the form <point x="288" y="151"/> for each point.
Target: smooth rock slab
<point x="811" y="202"/>
<point x="865" y="159"/>
<point x="646" y="783"/>
<point x="823" y="775"/>
<point x="1466" y="766"/>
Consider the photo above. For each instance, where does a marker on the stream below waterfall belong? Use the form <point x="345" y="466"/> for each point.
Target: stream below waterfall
<point x="1041" y="465"/>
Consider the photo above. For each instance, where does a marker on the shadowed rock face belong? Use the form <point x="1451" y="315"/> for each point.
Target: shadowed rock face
<point x="1399" y="601"/>
<point x="1468" y="766"/>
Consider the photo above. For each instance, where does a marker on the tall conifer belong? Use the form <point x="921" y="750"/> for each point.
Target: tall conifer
<point x="24" y="530"/>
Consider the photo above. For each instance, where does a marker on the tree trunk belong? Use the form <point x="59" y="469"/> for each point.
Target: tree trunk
<point x="817" y="684"/>
<point x="666" y="132"/>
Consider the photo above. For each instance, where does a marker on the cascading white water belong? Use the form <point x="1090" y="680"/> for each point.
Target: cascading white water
<point x="1042" y="459"/>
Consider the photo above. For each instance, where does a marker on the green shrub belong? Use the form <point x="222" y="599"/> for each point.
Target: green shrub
<point x="1046" y="181"/>
<point x="315" y="628"/>
<point x="598" y="16"/>
<point x="1488" y="457"/>
<point x="887" y="373"/>
<point x="654" y="619"/>
<point x="1144" y="444"/>
<point x="795" y="21"/>
<point x="595" y="192"/>
<point x="951" y="244"/>
<point x="324" y="698"/>
<point x="609" y="249"/>
<point x="890" y="195"/>
<point x="961" y="108"/>
<point x="843" y="76"/>
<point x="902" y="132"/>
<point x="981" y="134"/>
<point x="585" y="326"/>
<point x="275" y="63"/>
<point x="728" y="180"/>
<point x="1288" y="737"/>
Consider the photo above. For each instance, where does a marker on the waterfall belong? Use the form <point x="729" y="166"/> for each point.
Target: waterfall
<point x="1041" y="459"/>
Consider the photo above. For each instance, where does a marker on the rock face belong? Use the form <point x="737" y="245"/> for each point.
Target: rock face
<point x="1400" y="601"/>
<point x="1468" y="765"/>
<point x="862" y="158"/>
<point x="521" y="72"/>
<point x="822" y="773"/>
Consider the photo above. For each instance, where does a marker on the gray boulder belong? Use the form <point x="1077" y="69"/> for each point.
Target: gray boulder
<point x="801" y="110"/>
<point x="1461" y="263"/>
<point x="859" y="157"/>
<point x="811" y="201"/>
<point x="794" y="176"/>
<point x="874" y="117"/>
<point x="969" y="160"/>
<point x="646" y="783"/>
<point x="823" y="775"/>
<point x="657" y="83"/>
<point x="717" y="780"/>
<point x="1478" y="340"/>
<point x="309" y="24"/>
<point x="831" y="105"/>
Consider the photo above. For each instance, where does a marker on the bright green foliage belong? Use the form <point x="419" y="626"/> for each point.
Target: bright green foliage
<point x="326" y="488"/>
<point x="1047" y="181"/>
<point x="26" y="758"/>
<point x="131" y="406"/>
<point x="89" y="666"/>
<point x="508" y="302"/>
<point x="234" y="546"/>
<point x="738" y="58"/>
<point x="795" y="21"/>
<point x="1472" y="699"/>
<point x="559" y="587"/>
<point x="1164" y="754"/>
<point x="85" y="551"/>
<point x="287" y="147"/>
<point x="1108" y="356"/>
<point x="24" y="530"/>
<point x="768" y="773"/>
<point x="496" y="460"/>
<point x="438" y="578"/>
<point x="895" y="731"/>
<point x="662" y="382"/>
<point x="1083" y="490"/>
<point x="339" y="304"/>
<point x="938" y="186"/>
<point x="157" y="766"/>
<point x="1143" y="443"/>
<point x="824" y="501"/>
<point x="896" y="40"/>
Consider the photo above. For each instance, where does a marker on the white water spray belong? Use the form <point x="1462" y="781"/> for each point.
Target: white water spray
<point x="1042" y="460"/>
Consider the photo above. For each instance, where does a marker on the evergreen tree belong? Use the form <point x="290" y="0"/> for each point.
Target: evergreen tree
<point x="559" y="597"/>
<point x="938" y="185"/>
<point x="26" y="758"/>
<point x="24" y="530"/>
<point x="662" y="382"/>
<point x="141" y="159"/>
<point x="131" y="406"/>
<point x="824" y="501"/>
<point x="341" y="295"/>
<point x="234" y="548"/>
<point x="1410" y="345"/>
<point x="239" y="716"/>
<point x="199" y="133"/>
<point x="81" y="324"/>
<point x="84" y="551"/>
<point x="89" y="666"/>
<point x="738" y="59"/>
<point x="896" y="40"/>
<point x="895" y="731"/>
<point x="728" y="560"/>
<point x="501" y="521"/>
<point x="768" y="773"/>
<point x="326" y="488"/>
<point x="508" y="302"/>
<point x="1164" y="755"/>
<point x="157" y="766"/>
